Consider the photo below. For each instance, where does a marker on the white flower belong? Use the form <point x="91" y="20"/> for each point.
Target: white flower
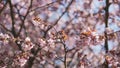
<point x="27" y="47"/>
<point x="42" y="42"/>
<point x="51" y="41"/>
<point x="22" y="61"/>
<point x="27" y="39"/>
<point x="4" y="38"/>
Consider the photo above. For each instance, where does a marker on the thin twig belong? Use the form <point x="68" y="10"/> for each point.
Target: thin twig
<point x="5" y="27"/>
<point x="43" y="6"/>
<point x="65" y="55"/>
<point x="3" y="7"/>
<point x="66" y="9"/>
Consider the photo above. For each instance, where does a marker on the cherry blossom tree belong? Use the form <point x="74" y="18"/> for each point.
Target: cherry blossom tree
<point x="59" y="33"/>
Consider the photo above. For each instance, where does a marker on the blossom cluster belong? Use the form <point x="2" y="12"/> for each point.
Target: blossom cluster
<point x="4" y="38"/>
<point x="27" y="44"/>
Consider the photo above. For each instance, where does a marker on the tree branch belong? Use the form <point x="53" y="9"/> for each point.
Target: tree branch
<point x="44" y="6"/>
<point x="23" y="20"/>
<point x="5" y="27"/>
<point x="65" y="55"/>
<point x="66" y="9"/>
<point x="12" y="18"/>
<point x="106" y="25"/>
<point x="3" y="7"/>
<point x="31" y="59"/>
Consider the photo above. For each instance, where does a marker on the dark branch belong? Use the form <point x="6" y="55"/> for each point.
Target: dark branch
<point x="65" y="55"/>
<point x="31" y="59"/>
<point x="24" y="17"/>
<point x="106" y="26"/>
<point x="12" y="18"/>
<point x="44" y="6"/>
